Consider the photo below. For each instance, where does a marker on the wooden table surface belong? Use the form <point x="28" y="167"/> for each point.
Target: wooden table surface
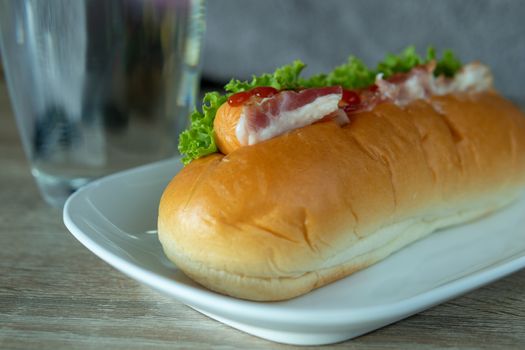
<point x="55" y="294"/>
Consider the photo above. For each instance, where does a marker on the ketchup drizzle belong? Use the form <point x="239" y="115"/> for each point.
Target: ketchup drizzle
<point x="351" y="100"/>
<point x="260" y="92"/>
<point x="351" y="97"/>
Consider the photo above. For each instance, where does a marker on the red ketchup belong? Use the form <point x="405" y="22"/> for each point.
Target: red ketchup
<point x="373" y="88"/>
<point x="261" y="92"/>
<point x="351" y="101"/>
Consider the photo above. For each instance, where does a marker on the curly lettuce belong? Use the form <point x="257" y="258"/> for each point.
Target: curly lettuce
<point x="198" y="140"/>
<point x="354" y="74"/>
<point x="284" y="78"/>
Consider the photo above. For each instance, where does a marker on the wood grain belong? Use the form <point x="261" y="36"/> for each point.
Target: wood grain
<point x="55" y="294"/>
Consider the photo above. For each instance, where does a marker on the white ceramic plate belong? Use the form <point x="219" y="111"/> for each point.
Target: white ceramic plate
<point x="115" y="218"/>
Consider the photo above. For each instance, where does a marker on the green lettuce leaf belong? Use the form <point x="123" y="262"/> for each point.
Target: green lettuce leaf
<point x="284" y="78"/>
<point x="401" y="63"/>
<point x="448" y="66"/>
<point x="354" y="74"/>
<point x="198" y="140"/>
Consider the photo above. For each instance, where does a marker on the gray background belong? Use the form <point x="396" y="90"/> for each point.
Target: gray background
<point x="254" y="36"/>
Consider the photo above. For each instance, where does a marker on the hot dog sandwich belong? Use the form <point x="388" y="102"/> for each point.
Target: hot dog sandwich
<point x="292" y="183"/>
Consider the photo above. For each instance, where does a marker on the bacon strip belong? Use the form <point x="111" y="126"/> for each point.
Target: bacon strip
<point x="286" y="111"/>
<point x="263" y="119"/>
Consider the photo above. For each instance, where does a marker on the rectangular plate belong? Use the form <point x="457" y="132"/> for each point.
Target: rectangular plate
<point x="116" y="218"/>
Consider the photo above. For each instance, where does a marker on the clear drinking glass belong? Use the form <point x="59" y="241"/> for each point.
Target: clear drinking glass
<point x="99" y="86"/>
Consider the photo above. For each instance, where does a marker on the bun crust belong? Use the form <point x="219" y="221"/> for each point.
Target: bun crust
<point x="277" y="219"/>
<point x="224" y="125"/>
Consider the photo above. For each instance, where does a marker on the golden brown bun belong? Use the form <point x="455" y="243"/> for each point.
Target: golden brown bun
<point x="224" y="125"/>
<point x="277" y="219"/>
